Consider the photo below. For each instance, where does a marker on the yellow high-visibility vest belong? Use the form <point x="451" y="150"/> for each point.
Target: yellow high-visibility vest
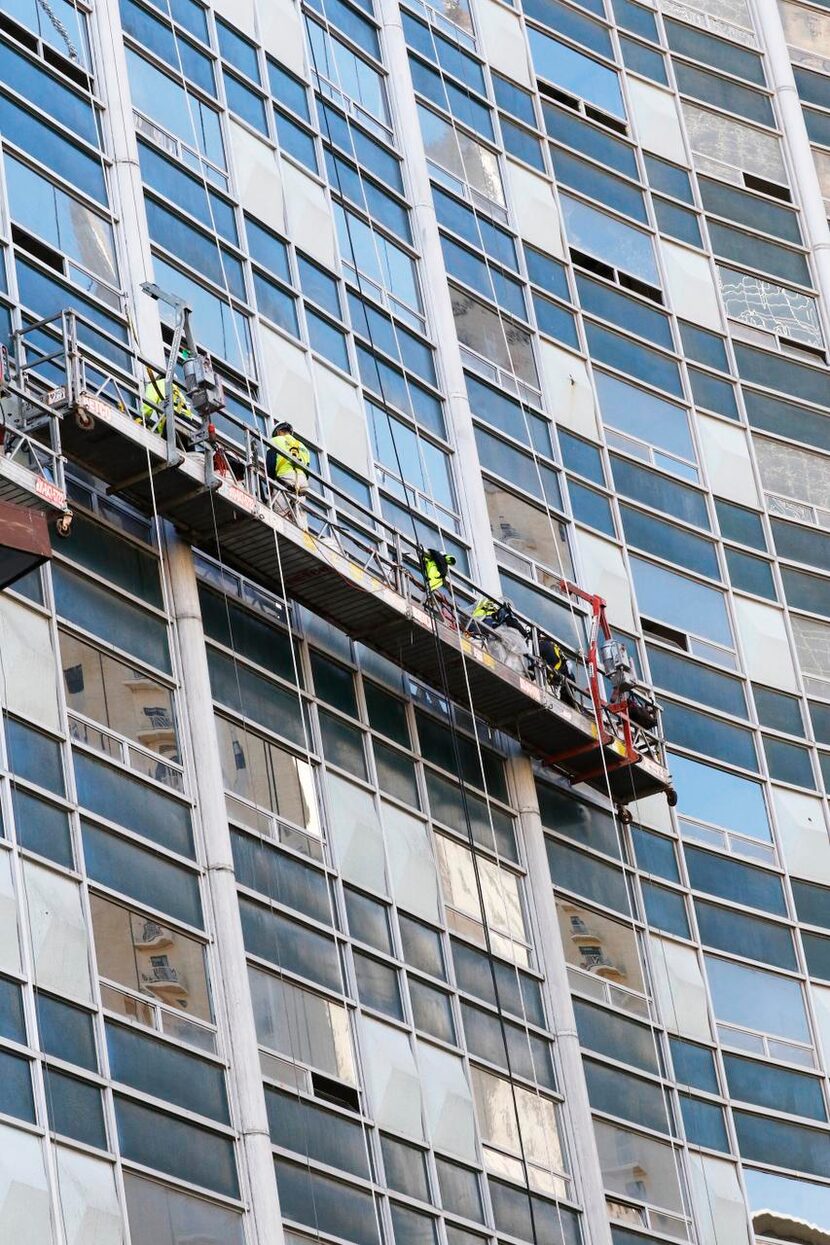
<point x="292" y="455"/>
<point x="485" y="608"/>
<point x="153" y="413"/>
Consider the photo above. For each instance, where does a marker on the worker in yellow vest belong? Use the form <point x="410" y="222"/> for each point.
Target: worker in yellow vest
<point x="435" y="565"/>
<point x="153" y="412"/>
<point x="504" y="636"/>
<point x="286" y="463"/>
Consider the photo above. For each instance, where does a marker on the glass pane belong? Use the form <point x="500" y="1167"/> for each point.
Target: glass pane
<point x="138" y="952"/>
<point x="160" y="1215"/>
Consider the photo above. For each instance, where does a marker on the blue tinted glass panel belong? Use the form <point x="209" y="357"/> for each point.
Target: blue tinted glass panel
<point x="665" y="909"/>
<point x="569" y="128"/>
<point x="644" y="415"/>
<point x="34" y="756"/>
<point x="555" y="321"/>
<point x="704" y="1123"/>
<point x="694" y="1065"/>
<point x="681" y="602"/>
<point x="660" y="492"/>
<point x="640" y="59"/>
<point x="591" y="508"/>
<point x="745" y="935"/>
<point x="653" y="535"/>
<point x="708" y="735"/>
<point x="636" y="317"/>
<point x="716" y="796"/>
<point x="779" y="1089"/>
<point x="669" y="178"/>
<point x="118" y="796"/>
<point x="585" y="78"/>
<point x="655" y="854"/>
<point x="124" y="866"/>
<point x="677" y="222"/>
<point x="631" y="357"/>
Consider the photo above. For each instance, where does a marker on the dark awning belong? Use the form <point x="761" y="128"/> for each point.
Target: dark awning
<point x="24" y="541"/>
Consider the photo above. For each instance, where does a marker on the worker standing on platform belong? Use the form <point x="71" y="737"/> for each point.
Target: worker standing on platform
<point x="436" y="567"/>
<point x="153" y="408"/>
<point x="286" y="463"/>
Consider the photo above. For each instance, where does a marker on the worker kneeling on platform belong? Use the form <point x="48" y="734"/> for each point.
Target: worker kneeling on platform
<point x="557" y="670"/>
<point x="286" y="464"/>
<point x="504" y="636"/>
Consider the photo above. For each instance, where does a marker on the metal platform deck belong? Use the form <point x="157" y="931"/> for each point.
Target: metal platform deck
<point x="21" y="486"/>
<point x="376" y="605"/>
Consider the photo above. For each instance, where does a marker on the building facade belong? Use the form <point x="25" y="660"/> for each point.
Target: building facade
<point x="293" y="947"/>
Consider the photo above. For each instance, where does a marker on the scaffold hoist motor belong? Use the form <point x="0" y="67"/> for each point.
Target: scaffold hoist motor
<point x="630" y="714"/>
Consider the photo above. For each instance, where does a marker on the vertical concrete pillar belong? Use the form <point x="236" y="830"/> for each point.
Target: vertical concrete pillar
<point x="425" y="225"/>
<point x="781" y="78"/>
<point x="232" y="996"/>
<point x="585" y="1159"/>
<point x="126" y="194"/>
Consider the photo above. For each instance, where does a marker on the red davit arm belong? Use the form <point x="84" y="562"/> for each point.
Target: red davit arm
<point x="618" y="704"/>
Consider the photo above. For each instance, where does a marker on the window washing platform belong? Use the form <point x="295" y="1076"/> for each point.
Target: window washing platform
<point x="349" y="567"/>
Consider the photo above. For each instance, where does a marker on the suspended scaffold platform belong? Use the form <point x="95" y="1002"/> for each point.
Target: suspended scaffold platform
<point x="32" y="493"/>
<point x="351" y="568"/>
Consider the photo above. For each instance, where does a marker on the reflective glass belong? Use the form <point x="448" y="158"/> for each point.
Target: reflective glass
<point x="757" y="999"/>
<point x="671" y="598"/>
<point x="716" y="796"/>
<point x="175" y="1146"/>
<point x="611" y="240"/>
<point x="579" y="74"/>
<point x="160" y="1215"/>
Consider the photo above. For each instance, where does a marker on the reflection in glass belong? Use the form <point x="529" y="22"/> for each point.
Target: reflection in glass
<point x="519" y="1123"/>
<point x="302" y="1025"/>
<point x="498" y="340"/>
<point x="166" y="101"/>
<point x="645" y="416"/>
<point x="681" y="602"/>
<point x="501" y="895"/>
<point x="62" y="220"/>
<point x="349" y="73"/>
<point x="140" y="953"/>
<point x="526" y="530"/>
<point x="374" y="256"/>
<point x="620" y="245"/>
<point x="124" y="699"/>
<point x="269" y="777"/>
<point x="733" y="144"/>
<point x="757" y="999"/>
<point x="222" y="329"/>
<point x="774" y="308"/>
<point x="637" y="1166"/>
<point x="579" y="74"/>
<point x="600" y="946"/>
<point x="723" y="799"/>
<point x="160" y="1215"/>
<point x="779" y="1203"/>
<point x="469" y="161"/>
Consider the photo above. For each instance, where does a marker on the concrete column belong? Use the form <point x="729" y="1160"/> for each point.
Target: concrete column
<point x="126" y="194"/>
<point x="231" y="994"/>
<point x="425" y="225"/>
<point x="585" y="1159"/>
<point x="808" y="191"/>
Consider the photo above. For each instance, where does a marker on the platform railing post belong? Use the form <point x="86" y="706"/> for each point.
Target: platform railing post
<point x="69" y="332"/>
